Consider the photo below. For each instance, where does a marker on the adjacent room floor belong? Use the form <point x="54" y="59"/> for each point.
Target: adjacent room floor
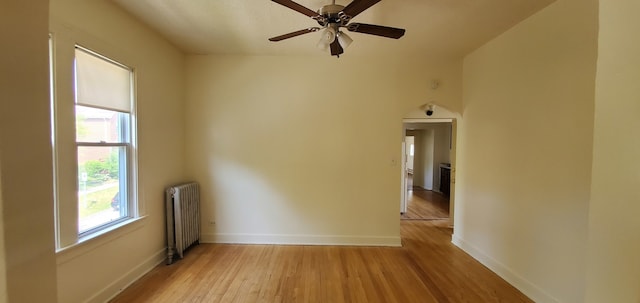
<point x="424" y="204"/>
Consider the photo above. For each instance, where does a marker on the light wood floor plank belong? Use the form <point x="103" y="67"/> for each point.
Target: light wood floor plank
<point x="428" y="268"/>
<point x="426" y="204"/>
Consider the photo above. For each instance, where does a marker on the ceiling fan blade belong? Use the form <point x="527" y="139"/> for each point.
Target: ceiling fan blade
<point x="378" y="30"/>
<point x="356" y="7"/>
<point x="298" y="8"/>
<point x="336" y="49"/>
<point x="294" y="34"/>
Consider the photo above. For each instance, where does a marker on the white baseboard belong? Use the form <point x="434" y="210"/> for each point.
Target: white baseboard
<point x="301" y="239"/>
<point x="529" y="289"/>
<point x="117" y="286"/>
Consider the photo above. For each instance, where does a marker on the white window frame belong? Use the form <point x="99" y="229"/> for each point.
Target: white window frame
<point x="124" y="162"/>
<point x="65" y="147"/>
<point x="124" y="159"/>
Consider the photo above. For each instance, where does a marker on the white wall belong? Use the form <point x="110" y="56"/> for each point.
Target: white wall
<point x="524" y="162"/>
<point x="25" y="154"/>
<point x="614" y="227"/>
<point x="424" y="151"/>
<point x="409" y="142"/>
<point x="98" y="268"/>
<point x="432" y="148"/>
<point x="441" y="151"/>
<point x="292" y="149"/>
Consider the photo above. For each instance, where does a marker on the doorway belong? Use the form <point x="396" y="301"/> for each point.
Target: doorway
<point x="427" y="168"/>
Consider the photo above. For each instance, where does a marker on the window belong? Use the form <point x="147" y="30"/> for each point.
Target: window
<point x="103" y="98"/>
<point x="93" y="134"/>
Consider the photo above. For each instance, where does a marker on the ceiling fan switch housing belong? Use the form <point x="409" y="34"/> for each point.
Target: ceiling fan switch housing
<point x="331" y="9"/>
<point x="331" y="14"/>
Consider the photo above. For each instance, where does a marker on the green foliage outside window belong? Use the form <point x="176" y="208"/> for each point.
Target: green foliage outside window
<point x="101" y="171"/>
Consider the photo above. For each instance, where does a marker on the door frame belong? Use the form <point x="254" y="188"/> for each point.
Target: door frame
<point x="403" y="192"/>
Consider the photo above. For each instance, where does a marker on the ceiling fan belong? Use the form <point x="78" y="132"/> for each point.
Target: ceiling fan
<point x="331" y="18"/>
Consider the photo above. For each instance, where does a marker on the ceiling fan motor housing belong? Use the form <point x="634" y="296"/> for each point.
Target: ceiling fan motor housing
<point x="332" y="15"/>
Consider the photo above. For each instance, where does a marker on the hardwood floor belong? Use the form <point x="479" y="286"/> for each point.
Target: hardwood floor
<point x="424" y="204"/>
<point x="428" y="268"/>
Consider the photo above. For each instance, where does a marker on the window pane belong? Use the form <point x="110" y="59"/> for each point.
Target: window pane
<point x="102" y="83"/>
<point x="99" y="125"/>
<point x="102" y="186"/>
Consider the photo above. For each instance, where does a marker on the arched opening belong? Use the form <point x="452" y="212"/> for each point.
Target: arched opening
<point x="429" y="163"/>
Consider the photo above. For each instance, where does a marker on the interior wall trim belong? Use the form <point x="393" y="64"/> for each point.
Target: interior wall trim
<point x="528" y="288"/>
<point x="300" y="239"/>
<point x="117" y="286"/>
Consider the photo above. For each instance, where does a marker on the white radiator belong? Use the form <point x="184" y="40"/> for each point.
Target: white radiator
<point x="183" y="218"/>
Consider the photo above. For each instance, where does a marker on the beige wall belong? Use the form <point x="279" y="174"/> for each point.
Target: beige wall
<point x="614" y="227"/>
<point x="524" y="167"/>
<point x="98" y="268"/>
<point x="424" y="158"/>
<point x="25" y="154"/>
<point x="441" y="151"/>
<point x="418" y="114"/>
<point x="293" y="149"/>
<point x="249" y="117"/>
<point x="432" y="148"/>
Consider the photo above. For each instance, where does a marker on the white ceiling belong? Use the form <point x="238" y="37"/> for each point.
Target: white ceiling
<point x="440" y="28"/>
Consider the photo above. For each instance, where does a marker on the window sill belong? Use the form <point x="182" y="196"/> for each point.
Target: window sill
<point x="95" y="240"/>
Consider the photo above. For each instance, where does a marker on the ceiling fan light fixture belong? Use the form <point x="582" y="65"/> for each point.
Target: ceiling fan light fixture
<point x="344" y="40"/>
<point x="328" y="36"/>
